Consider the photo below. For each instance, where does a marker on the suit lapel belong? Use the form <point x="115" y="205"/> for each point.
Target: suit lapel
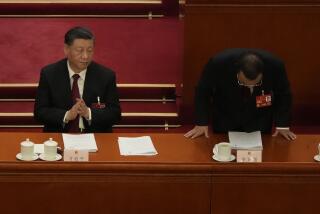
<point x="88" y="83"/>
<point x="65" y="81"/>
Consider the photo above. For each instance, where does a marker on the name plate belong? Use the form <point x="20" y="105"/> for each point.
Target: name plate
<point x="249" y="156"/>
<point x="75" y="155"/>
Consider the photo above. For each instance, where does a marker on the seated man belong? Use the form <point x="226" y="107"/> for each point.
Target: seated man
<point x="77" y="94"/>
<point x="249" y="90"/>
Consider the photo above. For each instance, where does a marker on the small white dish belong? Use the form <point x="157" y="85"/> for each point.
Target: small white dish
<point x="19" y="157"/>
<point x="216" y="157"/>
<point x="43" y="157"/>
<point x="316" y="158"/>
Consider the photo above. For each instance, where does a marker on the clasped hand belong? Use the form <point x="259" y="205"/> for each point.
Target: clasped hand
<point x="79" y="108"/>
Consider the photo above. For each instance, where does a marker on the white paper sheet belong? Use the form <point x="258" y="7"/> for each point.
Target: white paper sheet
<point x="244" y="140"/>
<point x="80" y="142"/>
<point x="136" y="146"/>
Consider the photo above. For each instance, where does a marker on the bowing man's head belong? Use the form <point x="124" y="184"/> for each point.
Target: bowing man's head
<point x="250" y="70"/>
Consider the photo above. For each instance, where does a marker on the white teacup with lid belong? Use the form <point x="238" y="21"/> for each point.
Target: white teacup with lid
<point x="27" y="150"/>
<point x="317" y="157"/>
<point x="222" y="152"/>
<point x="50" y="150"/>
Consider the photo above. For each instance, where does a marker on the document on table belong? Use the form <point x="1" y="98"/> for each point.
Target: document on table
<point x="244" y="140"/>
<point x="80" y="142"/>
<point x="136" y="146"/>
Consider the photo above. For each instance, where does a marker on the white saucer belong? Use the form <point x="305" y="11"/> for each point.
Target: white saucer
<point x="316" y="158"/>
<point x="43" y="157"/>
<point x="19" y="156"/>
<point x="231" y="158"/>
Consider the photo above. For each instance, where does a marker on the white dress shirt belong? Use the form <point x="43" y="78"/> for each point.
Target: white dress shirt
<point x="81" y="80"/>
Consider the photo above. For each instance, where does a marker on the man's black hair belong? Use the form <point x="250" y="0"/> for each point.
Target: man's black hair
<point x="250" y="64"/>
<point x="77" y="33"/>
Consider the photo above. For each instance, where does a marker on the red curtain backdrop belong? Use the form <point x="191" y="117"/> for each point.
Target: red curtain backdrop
<point x="138" y="50"/>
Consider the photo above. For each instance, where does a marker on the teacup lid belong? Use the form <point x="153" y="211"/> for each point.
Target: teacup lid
<point x="27" y="142"/>
<point x="50" y="142"/>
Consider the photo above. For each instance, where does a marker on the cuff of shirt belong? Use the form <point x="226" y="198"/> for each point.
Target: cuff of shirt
<point x="90" y="117"/>
<point x="64" y="118"/>
<point x="282" y="128"/>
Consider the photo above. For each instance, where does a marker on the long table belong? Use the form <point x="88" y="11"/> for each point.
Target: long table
<point x="182" y="178"/>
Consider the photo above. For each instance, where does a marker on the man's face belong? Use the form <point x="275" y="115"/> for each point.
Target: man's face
<point x="79" y="54"/>
<point x="244" y="81"/>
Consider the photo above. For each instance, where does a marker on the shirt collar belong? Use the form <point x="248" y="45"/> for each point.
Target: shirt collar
<point x="82" y="73"/>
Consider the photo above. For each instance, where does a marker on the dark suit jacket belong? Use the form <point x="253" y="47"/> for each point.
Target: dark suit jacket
<point x="233" y="107"/>
<point x="53" y="97"/>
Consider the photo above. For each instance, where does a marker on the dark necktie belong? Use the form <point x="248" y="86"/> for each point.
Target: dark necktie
<point x="246" y="94"/>
<point x="74" y="124"/>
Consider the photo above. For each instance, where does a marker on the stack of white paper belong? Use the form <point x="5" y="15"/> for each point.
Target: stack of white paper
<point x="136" y="146"/>
<point x="244" y="140"/>
<point x="79" y="142"/>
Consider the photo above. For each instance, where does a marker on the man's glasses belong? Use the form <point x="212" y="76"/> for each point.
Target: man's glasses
<point x="249" y="86"/>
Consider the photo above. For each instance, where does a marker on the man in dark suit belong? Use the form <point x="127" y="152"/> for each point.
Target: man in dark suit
<point x="249" y="90"/>
<point x="76" y="94"/>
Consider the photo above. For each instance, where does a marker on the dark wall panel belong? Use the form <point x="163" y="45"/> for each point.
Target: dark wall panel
<point x="291" y="31"/>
